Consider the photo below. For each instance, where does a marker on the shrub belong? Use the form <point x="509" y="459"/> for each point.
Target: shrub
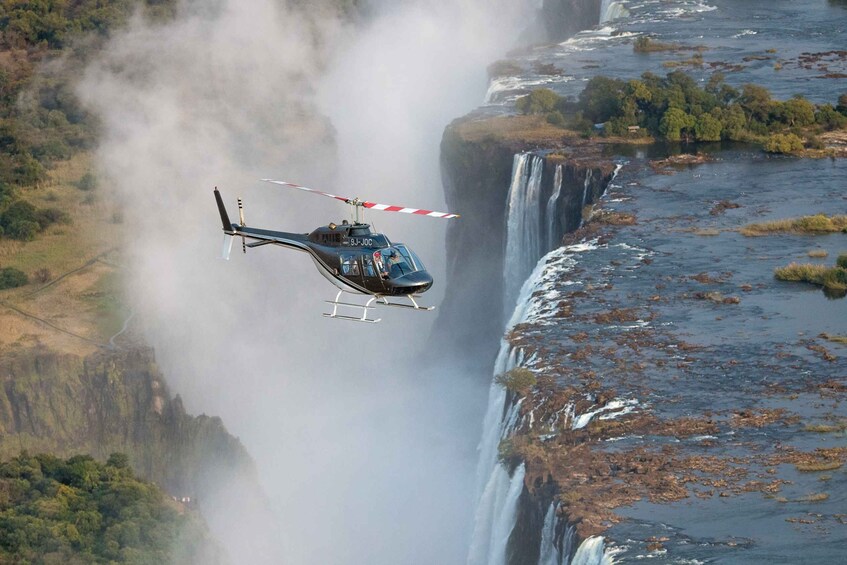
<point x="814" y="142"/>
<point x="841" y="261"/>
<point x="783" y="143"/>
<point x="87" y="182"/>
<point x="835" y="279"/>
<point x="539" y="101"/>
<point x="796" y="272"/>
<point x="519" y="380"/>
<point x="48" y="216"/>
<point x="556" y="118"/>
<point x="12" y="278"/>
<point x="42" y="275"/>
<point x="818" y="222"/>
<point x="23" y="230"/>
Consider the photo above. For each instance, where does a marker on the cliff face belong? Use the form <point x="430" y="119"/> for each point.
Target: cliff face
<point x="115" y="402"/>
<point x="477" y="171"/>
<point x="564" y="18"/>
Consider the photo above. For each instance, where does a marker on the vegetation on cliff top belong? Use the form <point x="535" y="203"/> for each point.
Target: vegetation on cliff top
<point x="676" y="108"/>
<point x="79" y="511"/>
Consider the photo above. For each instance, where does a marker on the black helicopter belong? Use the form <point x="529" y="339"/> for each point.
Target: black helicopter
<point x="349" y="255"/>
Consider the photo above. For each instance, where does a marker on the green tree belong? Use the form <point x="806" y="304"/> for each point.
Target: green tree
<point x="797" y="112"/>
<point x="829" y="118"/>
<point x="601" y="98"/>
<point x="707" y="128"/>
<point x="539" y="101"/>
<point x="675" y="123"/>
<point x="842" y="104"/>
<point x="756" y="102"/>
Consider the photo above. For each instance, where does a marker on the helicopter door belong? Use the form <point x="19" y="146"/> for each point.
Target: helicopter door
<point x="370" y="270"/>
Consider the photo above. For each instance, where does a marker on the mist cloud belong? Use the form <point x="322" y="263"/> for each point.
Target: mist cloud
<point x="364" y="443"/>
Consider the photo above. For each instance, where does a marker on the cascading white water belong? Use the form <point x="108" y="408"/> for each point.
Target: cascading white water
<point x="585" y="186"/>
<point x="497" y="494"/>
<point x="523" y="224"/>
<point x="592" y="551"/>
<point x="612" y="10"/>
<point x="551" y="208"/>
<point x="530" y="298"/>
<point x="549" y="553"/>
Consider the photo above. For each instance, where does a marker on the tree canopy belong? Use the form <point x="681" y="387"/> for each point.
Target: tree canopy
<point x="79" y="511"/>
<point x="676" y="107"/>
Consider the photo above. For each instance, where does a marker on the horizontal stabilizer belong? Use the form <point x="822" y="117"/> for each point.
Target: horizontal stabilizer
<point x="259" y="243"/>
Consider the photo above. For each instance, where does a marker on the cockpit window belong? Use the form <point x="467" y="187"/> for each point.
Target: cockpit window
<point x="411" y="257"/>
<point x="394" y="262"/>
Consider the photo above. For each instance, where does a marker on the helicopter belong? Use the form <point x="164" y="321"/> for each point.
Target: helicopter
<point x="349" y="255"/>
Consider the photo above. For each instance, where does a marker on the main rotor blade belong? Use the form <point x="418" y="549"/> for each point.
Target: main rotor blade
<point x="370" y="205"/>
<point x="389" y="208"/>
<point x="298" y="187"/>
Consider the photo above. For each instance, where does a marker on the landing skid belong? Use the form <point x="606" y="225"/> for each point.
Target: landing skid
<point x="414" y="305"/>
<point x="363" y="307"/>
<point x="371" y="303"/>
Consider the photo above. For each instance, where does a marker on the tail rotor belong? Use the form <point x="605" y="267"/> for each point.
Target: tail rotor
<point x="241" y="220"/>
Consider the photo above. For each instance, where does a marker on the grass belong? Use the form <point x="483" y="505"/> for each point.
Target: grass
<point x="835" y="338"/>
<point x="825" y="428"/>
<point x="813" y="497"/>
<point x="62" y="248"/>
<point x="831" y="278"/>
<point x="817" y="224"/>
<point x="813" y="467"/>
<point x="533" y="129"/>
<point x="70" y="295"/>
<point x="818" y="253"/>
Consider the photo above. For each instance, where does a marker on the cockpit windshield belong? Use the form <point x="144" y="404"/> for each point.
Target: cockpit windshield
<point x="397" y="261"/>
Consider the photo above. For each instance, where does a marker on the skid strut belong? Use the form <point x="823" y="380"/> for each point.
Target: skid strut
<point x="363" y="307"/>
<point x="414" y="305"/>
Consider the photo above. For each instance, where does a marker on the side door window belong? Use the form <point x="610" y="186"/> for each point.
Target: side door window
<point x="350" y="265"/>
<point x="368" y="265"/>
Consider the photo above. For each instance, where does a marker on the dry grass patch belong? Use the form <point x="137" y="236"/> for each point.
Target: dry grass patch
<point x="813" y="497"/>
<point x="834" y="338"/>
<point x="831" y="278"/>
<point x="818" y="253"/>
<point x="819" y="223"/>
<point x="532" y="129"/>
<point x="815" y="466"/>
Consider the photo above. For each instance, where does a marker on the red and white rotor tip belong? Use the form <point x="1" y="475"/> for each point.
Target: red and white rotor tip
<point x="369" y="205"/>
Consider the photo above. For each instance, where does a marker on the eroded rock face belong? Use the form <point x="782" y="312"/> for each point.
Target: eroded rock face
<point x="115" y="402"/>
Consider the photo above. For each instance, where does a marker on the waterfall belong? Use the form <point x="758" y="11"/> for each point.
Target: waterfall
<point x="585" y="186"/>
<point x="523" y="224"/>
<point x="612" y="10"/>
<point x="530" y="291"/>
<point x="494" y="518"/>
<point x="549" y="551"/>
<point x="551" y="208"/>
<point x="592" y="552"/>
